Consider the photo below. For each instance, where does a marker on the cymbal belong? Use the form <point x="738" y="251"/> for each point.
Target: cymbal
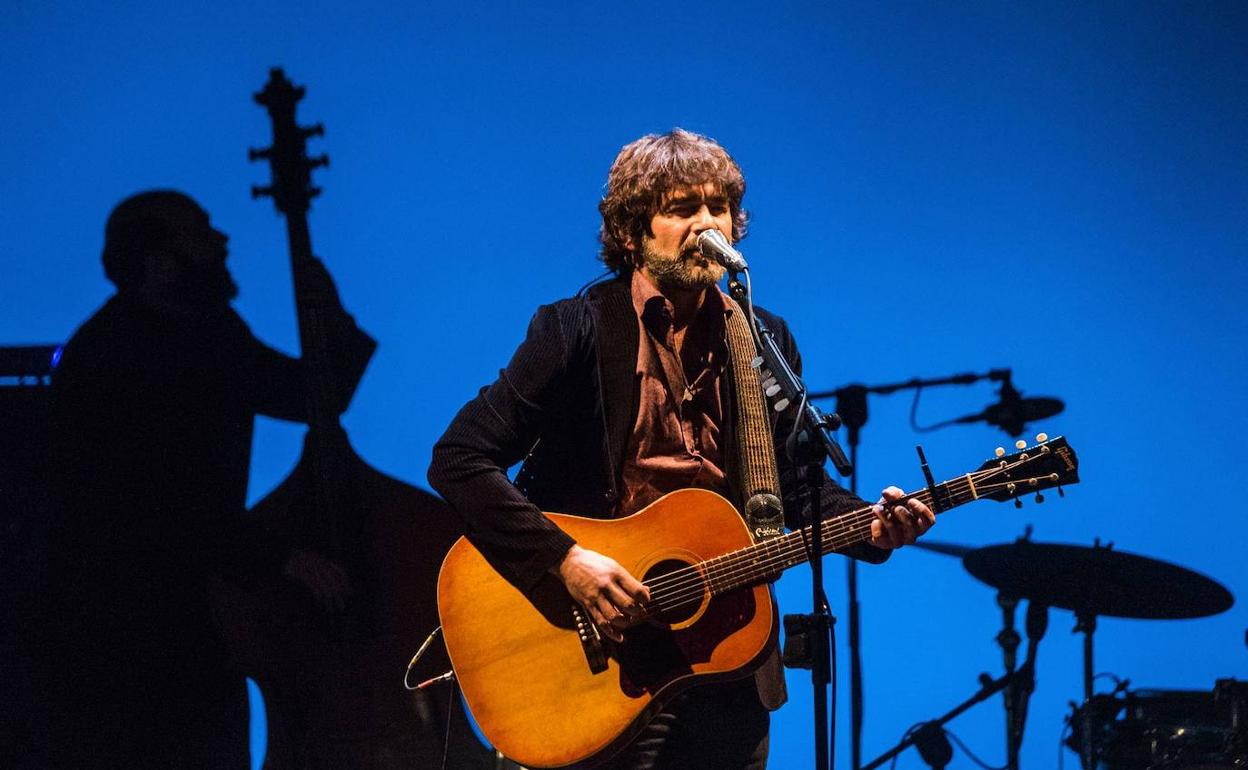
<point x="1097" y="580"/>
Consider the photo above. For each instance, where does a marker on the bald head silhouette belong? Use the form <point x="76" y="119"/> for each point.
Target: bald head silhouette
<point x="162" y="244"/>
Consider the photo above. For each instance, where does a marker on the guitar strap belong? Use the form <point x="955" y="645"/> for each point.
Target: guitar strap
<point x="756" y="452"/>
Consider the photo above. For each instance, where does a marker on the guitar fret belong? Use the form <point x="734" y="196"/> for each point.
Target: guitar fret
<point x="753" y="564"/>
<point x="760" y="561"/>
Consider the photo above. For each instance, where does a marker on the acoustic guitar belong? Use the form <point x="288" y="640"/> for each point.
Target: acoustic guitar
<point x="549" y="691"/>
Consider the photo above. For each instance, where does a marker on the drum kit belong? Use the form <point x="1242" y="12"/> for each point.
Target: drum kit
<point x="1124" y="729"/>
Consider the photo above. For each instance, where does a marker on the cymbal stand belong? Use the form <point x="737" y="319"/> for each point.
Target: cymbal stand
<point x="1009" y="639"/>
<point x="1085" y="623"/>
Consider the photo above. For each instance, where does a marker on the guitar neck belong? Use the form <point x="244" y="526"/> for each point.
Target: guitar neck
<point x="764" y="561"/>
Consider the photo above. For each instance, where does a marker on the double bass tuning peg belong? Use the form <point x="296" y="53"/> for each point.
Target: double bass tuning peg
<point x="254" y="154"/>
<point x="319" y="161"/>
<point x="316" y="129"/>
<point x="258" y="191"/>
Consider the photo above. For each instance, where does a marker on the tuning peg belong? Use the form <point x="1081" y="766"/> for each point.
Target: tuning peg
<point x="258" y="191"/>
<point x="1000" y="452"/>
<point x="773" y="390"/>
<point x="782" y="404"/>
<point x="314" y="191"/>
<point x="756" y="362"/>
<point x="1018" y="503"/>
<point x="1039" y="498"/>
<point x="1061" y="492"/>
<point x="254" y="155"/>
<point x="1042" y="437"/>
<point x="318" y="162"/>
<point x="317" y="129"/>
<point x="1020" y="444"/>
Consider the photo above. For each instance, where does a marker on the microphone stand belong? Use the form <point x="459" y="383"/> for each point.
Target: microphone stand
<point x="851" y="406"/>
<point x="815" y="445"/>
<point x="933" y="731"/>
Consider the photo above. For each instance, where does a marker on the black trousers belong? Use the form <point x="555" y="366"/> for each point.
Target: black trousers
<point x="716" y="726"/>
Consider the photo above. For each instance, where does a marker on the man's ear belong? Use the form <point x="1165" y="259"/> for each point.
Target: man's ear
<point x="631" y="246"/>
<point x="160" y="268"/>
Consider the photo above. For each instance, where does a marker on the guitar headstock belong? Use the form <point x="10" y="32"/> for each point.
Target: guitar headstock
<point x="291" y="187"/>
<point x="1047" y="464"/>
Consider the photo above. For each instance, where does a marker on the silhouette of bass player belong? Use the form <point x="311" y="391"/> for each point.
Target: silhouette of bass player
<point x="154" y="400"/>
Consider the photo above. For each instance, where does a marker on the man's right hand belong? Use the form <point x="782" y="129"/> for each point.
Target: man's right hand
<point x="612" y="596"/>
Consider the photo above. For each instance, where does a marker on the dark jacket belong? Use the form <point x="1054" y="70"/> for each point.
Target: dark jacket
<point x="566" y="404"/>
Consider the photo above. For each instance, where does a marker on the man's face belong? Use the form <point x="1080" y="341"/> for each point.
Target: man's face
<point x="670" y="257"/>
<point x="197" y="254"/>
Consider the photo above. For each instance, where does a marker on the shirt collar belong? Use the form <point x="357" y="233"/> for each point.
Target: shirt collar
<point x="648" y="301"/>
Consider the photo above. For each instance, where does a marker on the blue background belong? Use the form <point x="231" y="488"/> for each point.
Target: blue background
<point x="936" y="188"/>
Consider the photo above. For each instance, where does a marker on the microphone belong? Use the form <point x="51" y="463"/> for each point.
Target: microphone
<point x="714" y="245"/>
<point x="1012" y="412"/>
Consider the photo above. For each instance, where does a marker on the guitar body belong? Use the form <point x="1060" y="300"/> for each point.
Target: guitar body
<point x="528" y="676"/>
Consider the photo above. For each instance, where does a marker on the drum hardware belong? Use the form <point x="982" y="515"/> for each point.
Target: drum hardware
<point x="1153" y="732"/>
<point x="1094" y="582"/>
<point x="1164" y="729"/>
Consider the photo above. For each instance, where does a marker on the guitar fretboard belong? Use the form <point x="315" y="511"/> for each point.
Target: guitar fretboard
<point x="764" y="561"/>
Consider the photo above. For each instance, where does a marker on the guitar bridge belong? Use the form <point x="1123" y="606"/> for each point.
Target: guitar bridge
<point x="591" y="640"/>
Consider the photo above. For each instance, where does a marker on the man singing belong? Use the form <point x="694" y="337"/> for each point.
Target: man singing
<point x="621" y="395"/>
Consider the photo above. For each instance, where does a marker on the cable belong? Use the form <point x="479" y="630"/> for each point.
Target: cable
<point x="604" y="275"/>
<point x="832" y="674"/>
<point x="446" y="735"/>
<point x="904" y="737"/>
<point x="966" y="750"/>
<point x="914" y="416"/>
<point x="416" y="658"/>
<point x="1061" y="744"/>
<point x="1118" y="681"/>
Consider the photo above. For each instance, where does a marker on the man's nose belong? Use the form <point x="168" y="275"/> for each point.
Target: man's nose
<point x="703" y="219"/>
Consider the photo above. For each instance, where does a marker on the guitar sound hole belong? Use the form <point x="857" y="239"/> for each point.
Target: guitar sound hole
<point x="677" y="597"/>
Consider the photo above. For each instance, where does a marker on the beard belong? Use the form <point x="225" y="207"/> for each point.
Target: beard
<point x="207" y="286"/>
<point x="687" y="270"/>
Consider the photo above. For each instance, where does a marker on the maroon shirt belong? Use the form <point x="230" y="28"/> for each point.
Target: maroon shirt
<point x="676" y="440"/>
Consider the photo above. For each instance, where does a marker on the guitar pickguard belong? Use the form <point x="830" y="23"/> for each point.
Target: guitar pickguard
<point x="653" y="656"/>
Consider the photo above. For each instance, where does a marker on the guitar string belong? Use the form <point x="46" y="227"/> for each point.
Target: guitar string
<point x="737" y="565"/>
<point x="788" y="555"/>
<point x="781" y="551"/>
<point x="835" y="527"/>
<point x="792" y="552"/>
<point x="690" y="583"/>
<point x="736" y="570"/>
<point x="847" y="522"/>
<point x="739" y="569"/>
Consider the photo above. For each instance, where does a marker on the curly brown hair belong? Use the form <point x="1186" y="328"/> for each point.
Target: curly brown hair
<point x="650" y="168"/>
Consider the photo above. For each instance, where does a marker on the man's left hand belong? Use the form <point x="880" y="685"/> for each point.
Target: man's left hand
<point x="898" y="525"/>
